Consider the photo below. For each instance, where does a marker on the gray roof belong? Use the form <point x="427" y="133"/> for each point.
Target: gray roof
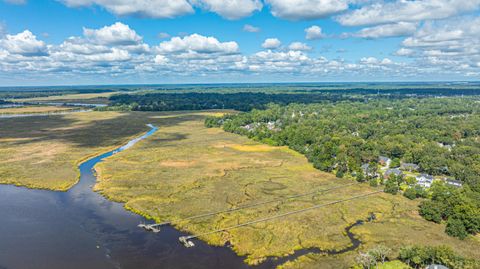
<point x="383" y="159"/>
<point x="394" y="171"/>
<point x="410" y="165"/>
<point x="425" y="176"/>
<point x="454" y="182"/>
<point x="437" y="266"/>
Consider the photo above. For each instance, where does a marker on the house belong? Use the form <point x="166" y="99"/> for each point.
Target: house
<point x="424" y="180"/>
<point x="453" y="182"/>
<point x="251" y="127"/>
<point x="397" y="172"/>
<point x="436" y="266"/>
<point x="384" y="161"/>
<point x="368" y="170"/>
<point x="409" y="167"/>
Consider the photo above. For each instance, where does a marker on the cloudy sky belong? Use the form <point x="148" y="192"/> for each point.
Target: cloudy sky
<point x="58" y="42"/>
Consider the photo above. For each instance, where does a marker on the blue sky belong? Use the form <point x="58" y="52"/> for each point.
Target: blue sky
<point x="200" y="41"/>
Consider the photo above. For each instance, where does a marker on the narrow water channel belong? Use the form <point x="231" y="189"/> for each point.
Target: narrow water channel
<point x="81" y="229"/>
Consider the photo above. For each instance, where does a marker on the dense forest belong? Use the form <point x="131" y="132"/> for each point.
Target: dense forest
<point x="244" y="101"/>
<point x="440" y="135"/>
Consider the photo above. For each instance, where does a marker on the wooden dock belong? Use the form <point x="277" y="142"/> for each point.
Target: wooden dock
<point x="156" y="227"/>
<point x="186" y="240"/>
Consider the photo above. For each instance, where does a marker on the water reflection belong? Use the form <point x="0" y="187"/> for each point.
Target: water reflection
<point x="80" y="229"/>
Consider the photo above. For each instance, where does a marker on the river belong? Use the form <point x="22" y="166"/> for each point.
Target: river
<point x="43" y="229"/>
<point x="81" y="229"/>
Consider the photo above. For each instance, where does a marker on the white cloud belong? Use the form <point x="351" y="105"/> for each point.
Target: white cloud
<point x="299" y="46"/>
<point x="231" y="9"/>
<point x="271" y="43"/>
<point x="306" y="9"/>
<point x="387" y="30"/>
<point x="251" y="29"/>
<point x="375" y="61"/>
<point x="403" y="10"/>
<point x="451" y="45"/>
<point x="314" y="32"/>
<point x="437" y="49"/>
<point x="163" y="35"/>
<point x="142" y="8"/>
<point x="404" y="52"/>
<point x="114" y="55"/>
<point x="197" y="43"/>
<point x="115" y="34"/>
<point x="25" y="44"/>
<point x="3" y="29"/>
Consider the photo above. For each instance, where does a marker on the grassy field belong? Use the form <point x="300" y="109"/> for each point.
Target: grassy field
<point x="89" y="98"/>
<point x="44" y="152"/>
<point x="34" y="109"/>
<point x="186" y="169"/>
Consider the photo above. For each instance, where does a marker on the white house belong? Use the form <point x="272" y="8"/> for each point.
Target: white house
<point x="424" y="180"/>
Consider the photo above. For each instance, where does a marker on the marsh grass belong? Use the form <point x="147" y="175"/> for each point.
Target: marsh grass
<point x="34" y="109"/>
<point x="186" y="169"/>
<point x="44" y="152"/>
<point x="90" y="98"/>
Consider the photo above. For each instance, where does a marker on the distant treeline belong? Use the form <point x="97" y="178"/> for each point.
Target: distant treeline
<point x="244" y="101"/>
<point x="426" y="92"/>
<point x="17" y="94"/>
<point x="3" y="102"/>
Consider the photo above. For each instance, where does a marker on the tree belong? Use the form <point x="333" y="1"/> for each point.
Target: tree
<point x="366" y="260"/>
<point x="456" y="228"/>
<point x="380" y="253"/>
<point x="431" y="211"/>
<point x="395" y="162"/>
<point x="391" y="186"/>
<point x="410" y="193"/>
<point x="360" y="176"/>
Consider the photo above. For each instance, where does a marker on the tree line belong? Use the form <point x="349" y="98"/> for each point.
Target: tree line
<point x="441" y="135"/>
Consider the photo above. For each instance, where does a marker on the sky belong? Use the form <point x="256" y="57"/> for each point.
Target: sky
<point x="77" y="42"/>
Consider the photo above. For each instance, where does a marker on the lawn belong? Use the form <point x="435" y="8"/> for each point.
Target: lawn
<point x="186" y="169"/>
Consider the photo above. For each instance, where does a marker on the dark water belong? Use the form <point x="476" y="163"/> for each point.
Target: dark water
<point x="80" y="229"/>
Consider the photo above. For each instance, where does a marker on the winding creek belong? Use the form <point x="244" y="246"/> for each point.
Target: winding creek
<point x="81" y="229"/>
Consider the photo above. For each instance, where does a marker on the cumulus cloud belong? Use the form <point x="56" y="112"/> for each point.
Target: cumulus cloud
<point x="142" y="8"/>
<point x="299" y="46"/>
<point x="437" y="48"/>
<point x="198" y="44"/>
<point x="271" y="43"/>
<point x="25" y="44"/>
<point x="411" y="11"/>
<point x="404" y="52"/>
<point x="314" y="32"/>
<point x="251" y="29"/>
<point x="232" y="9"/>
<point x="387" y="30"/>
<point x="452" y="45"/>
<point x="115" y="34"/>
<point x="306" y="9"/>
